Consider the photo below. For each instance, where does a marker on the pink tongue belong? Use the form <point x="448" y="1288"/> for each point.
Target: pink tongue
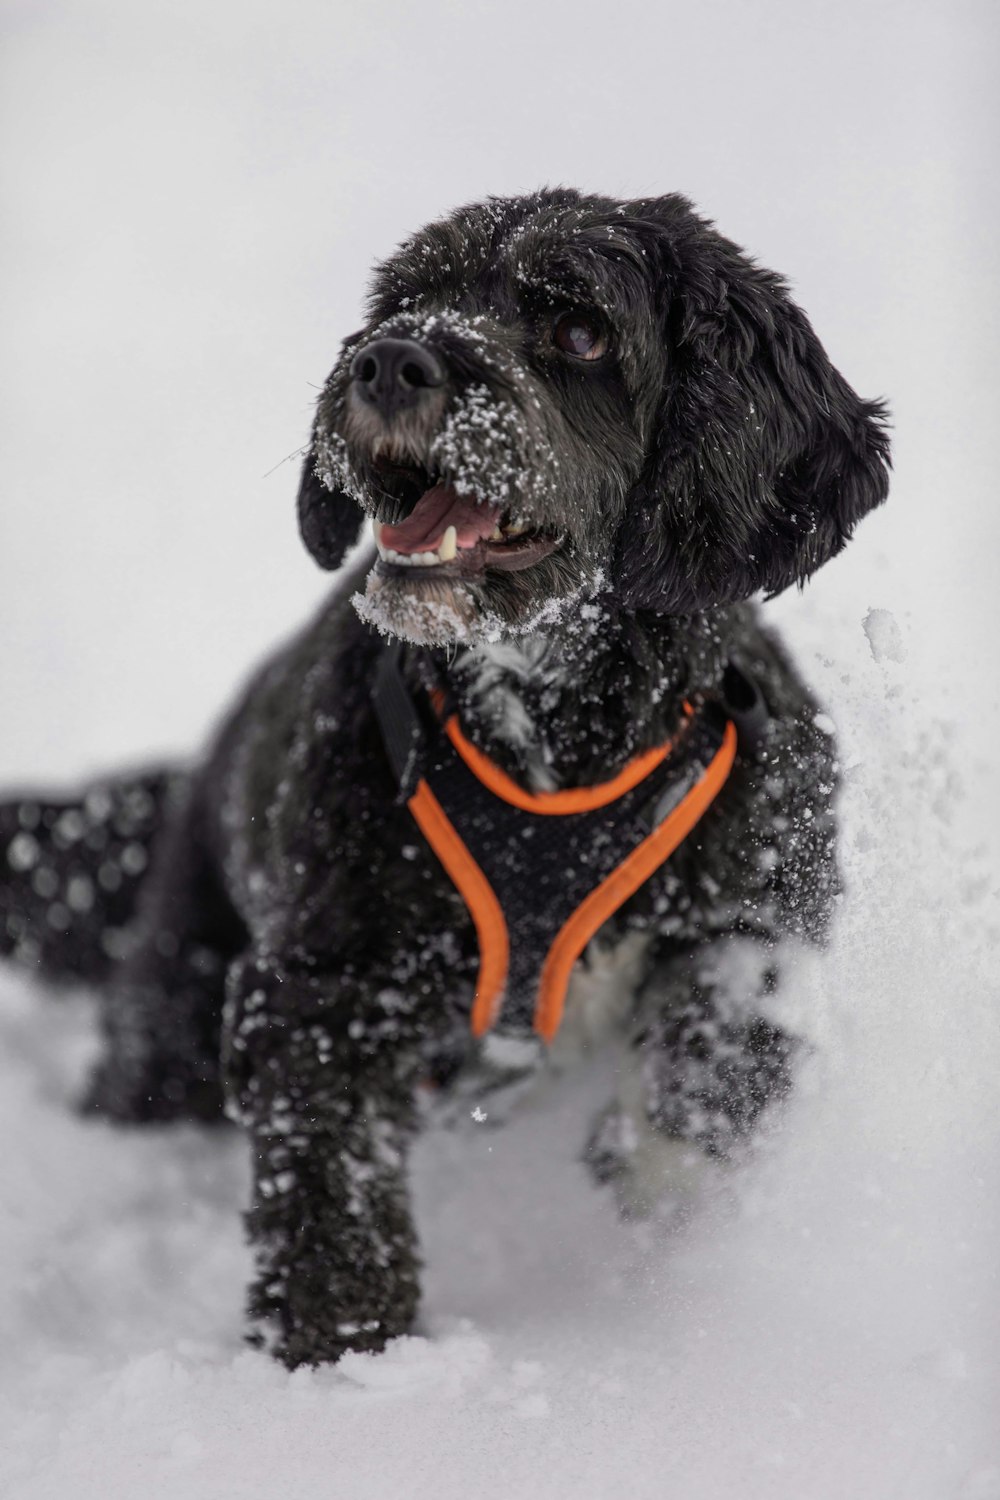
<point x="433" y="513"/>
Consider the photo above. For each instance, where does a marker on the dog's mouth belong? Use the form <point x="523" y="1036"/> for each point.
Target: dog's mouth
<point x="448" y="534"/>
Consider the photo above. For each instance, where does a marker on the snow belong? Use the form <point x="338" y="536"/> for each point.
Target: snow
<point x="884" y="636"/>
<point x="811" y="1329"/>
<point x="197" y="195"/>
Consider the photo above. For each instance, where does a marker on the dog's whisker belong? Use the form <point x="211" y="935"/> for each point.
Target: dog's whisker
<point x="297" y="453"/>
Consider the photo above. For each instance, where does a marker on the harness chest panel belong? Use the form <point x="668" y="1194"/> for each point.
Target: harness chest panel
<point x="541" y="872"/>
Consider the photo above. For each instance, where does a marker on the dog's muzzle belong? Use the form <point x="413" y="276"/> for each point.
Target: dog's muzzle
<point x="394" y="375"/>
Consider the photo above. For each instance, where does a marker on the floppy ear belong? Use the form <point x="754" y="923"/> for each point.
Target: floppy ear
<point x="329" y="521"/>
<point x="762" y="458"/>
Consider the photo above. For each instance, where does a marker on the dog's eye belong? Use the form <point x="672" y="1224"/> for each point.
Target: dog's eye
<point x="580" y="336"/>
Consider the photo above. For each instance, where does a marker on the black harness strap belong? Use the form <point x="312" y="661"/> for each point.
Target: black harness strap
<point x="547" y="868"/>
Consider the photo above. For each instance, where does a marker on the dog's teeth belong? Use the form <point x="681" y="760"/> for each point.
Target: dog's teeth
<point x="517" y="528"/>
<point x="496" y="535"/>
<point x="449" y="545"/>
<point x="377" y="533"/>
<point x="448" y="550"/>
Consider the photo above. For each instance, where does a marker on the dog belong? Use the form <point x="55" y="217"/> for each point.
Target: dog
<point x="585" y="432"/>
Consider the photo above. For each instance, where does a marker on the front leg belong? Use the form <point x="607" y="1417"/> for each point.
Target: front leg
<point x="703" y="1063"/>
<point x="336" y="1256"/>
<point x="322" y="1070"/>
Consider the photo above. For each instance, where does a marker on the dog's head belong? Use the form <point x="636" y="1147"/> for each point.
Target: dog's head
<point x="560" y="395"/>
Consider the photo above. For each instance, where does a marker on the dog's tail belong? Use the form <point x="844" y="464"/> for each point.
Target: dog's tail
<point x="71" y="868"/>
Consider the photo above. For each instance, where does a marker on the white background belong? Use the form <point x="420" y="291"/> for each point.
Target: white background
<point x="193" y="195"/>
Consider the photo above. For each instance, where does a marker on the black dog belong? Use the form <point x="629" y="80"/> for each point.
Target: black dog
<point x="586" y="432"/>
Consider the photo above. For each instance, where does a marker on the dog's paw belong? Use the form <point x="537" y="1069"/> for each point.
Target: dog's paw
<point x="649" y="1172"/>
<point x="311" y="1347"/>
<point x="303" y="1346"/>
<point x="336" y="1256"/>
<point x="295" y="1320"/>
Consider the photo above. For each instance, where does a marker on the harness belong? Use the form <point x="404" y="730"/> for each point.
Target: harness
<point x="550" y="867"/>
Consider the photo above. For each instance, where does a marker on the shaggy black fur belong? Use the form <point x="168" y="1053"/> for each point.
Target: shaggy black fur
<point x="660" y="425"/>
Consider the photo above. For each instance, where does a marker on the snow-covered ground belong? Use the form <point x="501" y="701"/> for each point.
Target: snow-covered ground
<point x="194" y="194"/>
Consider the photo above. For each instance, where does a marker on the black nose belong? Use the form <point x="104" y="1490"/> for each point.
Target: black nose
<point x="393" y="374"/>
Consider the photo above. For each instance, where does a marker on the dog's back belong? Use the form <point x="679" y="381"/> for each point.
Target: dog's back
<point x="72" y="867"/>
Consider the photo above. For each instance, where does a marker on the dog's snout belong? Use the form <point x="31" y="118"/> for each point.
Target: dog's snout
<point x="393" y="374"/>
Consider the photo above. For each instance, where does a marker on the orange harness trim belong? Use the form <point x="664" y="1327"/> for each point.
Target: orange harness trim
<point x="575" y="799"/>
<point x="477" y="893"/>
<point x="598" y="906"/>
<point x="622" y="883"/>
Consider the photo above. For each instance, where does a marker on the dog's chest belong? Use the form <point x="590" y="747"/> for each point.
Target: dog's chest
<point x="494" y="679"/>
<point x="543" y="872"/>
